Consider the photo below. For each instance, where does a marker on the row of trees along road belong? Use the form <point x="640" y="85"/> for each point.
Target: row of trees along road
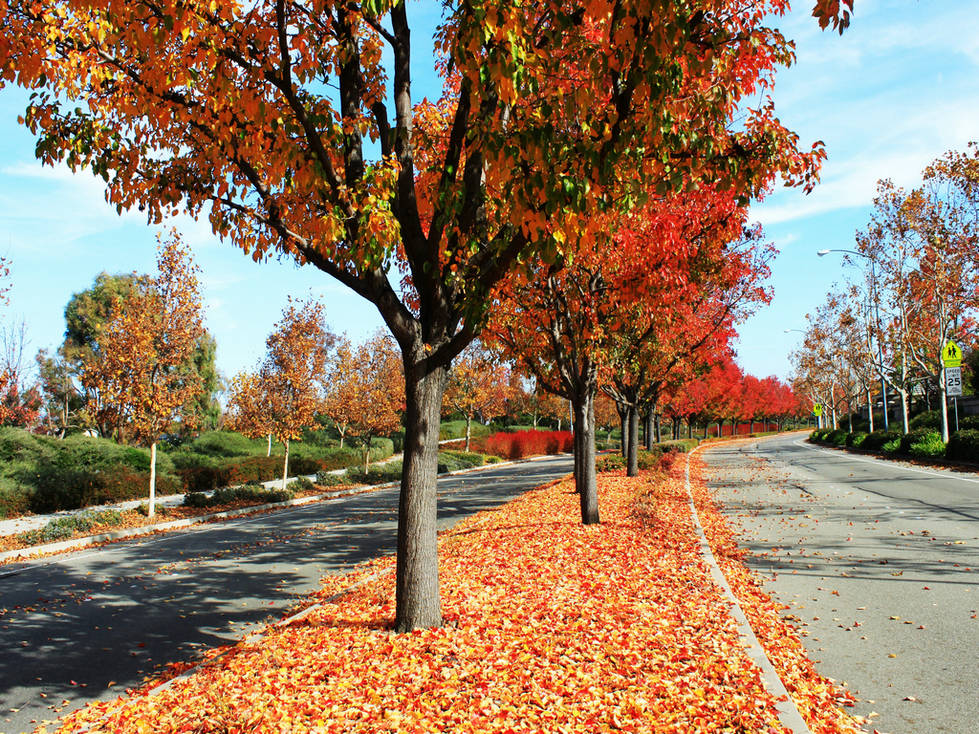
<point x="917" y="288"/>
<point x="552" y="117"/>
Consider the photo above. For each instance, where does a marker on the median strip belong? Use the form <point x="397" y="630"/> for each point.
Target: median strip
<point x="549" y="625"/>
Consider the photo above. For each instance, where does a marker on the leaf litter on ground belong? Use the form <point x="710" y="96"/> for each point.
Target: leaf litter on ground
<point x="550" y="626"/>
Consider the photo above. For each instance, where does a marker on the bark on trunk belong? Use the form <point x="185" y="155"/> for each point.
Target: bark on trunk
<point x="584" y="451"/>
<point x="151" y="511"/>
<point x="268" y="452"/>
<point x="624" y="432"/>
<point x="648" y="430"/>
<point x="418" y="604"/>
<point x="658" y="428"/>
<point x="633" y="453"/>
<point x="469" y="426"/>
<point x="285" y="465"/>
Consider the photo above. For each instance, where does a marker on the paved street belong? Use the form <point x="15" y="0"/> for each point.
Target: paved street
<point x="89" y="625"/>
<point x="879" y="564"/>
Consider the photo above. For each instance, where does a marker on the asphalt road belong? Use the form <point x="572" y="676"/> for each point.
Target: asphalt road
<point x="91" y="624"/>
<point x="878" y="562"/>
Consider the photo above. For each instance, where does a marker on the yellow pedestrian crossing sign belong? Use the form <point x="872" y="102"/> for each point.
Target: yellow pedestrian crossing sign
<point x="817" y="409"/>
<point x="951" y="355"/>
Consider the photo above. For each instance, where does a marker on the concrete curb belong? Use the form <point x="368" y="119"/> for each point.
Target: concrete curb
<point x="788" y="713"/>
<point x="76" y="543"/>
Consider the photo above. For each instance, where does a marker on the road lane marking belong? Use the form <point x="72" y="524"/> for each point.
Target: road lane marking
<point x="885" y="462"/>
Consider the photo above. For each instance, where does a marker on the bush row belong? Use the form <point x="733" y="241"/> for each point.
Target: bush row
<point x="920" y="442"/>
<point x="61" y="528"/>
<point x="44" y="474"/>
<point x="519" y="444"/>
<point x="246" y="492"/>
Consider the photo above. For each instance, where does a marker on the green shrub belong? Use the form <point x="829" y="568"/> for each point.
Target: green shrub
<point x="17" y="445"/>
<point x="931" y="447"/>
<point x="62" y="528"/>
<point x="300" y="484"/>
<point x="837" y="437"/>
<point x="963" y="445"/>
<point x="875" y="441"/>
<point x="63" y="485"/>
<point x="457" y="429"/>
<point x="329" y="479"/>
<point x="915" y="436"/>
<point x="929" y="419"/>
<point x="390" y="472"/>
<point x="610" y="462"/>
<point x="456" y="460"/>
<point x="967" y="423"/>
<point x="243" y="493"/>
<point x="197" y="499"/>
<point x="891" y="447"/>
<point x="225" y="444"/>
<point x="856" y="439"/>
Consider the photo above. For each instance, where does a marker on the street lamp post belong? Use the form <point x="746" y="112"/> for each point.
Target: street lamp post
<point x="880" y="349"/>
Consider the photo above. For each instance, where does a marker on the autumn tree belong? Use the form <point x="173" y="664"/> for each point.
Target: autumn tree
<point x="478" y="385"/>
<point x="72" y="401"/>
<point x="336" y="405"/>
<point x="250" y="407"/>
<point x="373" y="390"/>
<point x="142" y="374"/>
<point x="259" y="115"/>
<point x="283" y="396"/>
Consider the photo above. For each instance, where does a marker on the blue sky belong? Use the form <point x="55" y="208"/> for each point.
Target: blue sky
<point x="899" y="88"/>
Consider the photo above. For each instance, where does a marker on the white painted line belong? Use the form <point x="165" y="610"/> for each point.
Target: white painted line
<point x="788" y="713"/>
<point x="886" y="462"/>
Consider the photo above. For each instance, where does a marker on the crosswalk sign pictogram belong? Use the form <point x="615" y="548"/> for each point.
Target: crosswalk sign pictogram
<point x="817" y="409"/>
<point x="951" y="355"/>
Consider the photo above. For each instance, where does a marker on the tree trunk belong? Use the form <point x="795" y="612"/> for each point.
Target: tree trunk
<point x="418" y="604"/>
<point x="584" y="451"/>
<point x="658" y="428"/>
<point x="649" y="431"/>
<point x="624" y="432"/>
<point x="341" y="436"/>
<point x="904" y="411"/>
<point x="469" y="424"/>
<point x="870" y="410"/>
<point x="285" y="465"/>
<point x="632" y="456"/>
<point x="269" y="451"/>
<point x="367" y="454"/>
<point x="152" y="505"/>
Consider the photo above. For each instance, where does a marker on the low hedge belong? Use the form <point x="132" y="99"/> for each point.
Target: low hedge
<point x="856" y="439"/>
<point x="878" y="439"/>
<point x="61" y="528"/>
<point x="916" y="436"/>
<point x="246" y="492"/>
<point x="963" y="445"/>
<point x="63" y="485"/>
